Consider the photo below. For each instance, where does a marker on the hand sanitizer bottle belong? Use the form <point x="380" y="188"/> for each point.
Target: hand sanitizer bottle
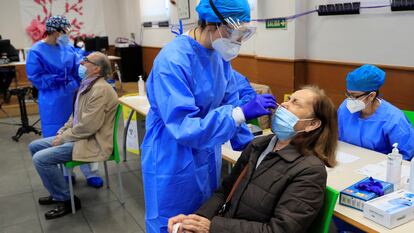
<point x="394" y="163"/>
<point x="21" y="58"/>
<point x="141" y="86"/>
<point x="411" y="187"/>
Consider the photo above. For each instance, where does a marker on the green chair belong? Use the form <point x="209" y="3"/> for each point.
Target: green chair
<point x="323" y="220"/>
<point x="410" y="116"/>
<point x="114" y="157"/>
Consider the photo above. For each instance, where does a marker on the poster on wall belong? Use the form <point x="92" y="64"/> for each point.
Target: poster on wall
<point x="85" y="16"/>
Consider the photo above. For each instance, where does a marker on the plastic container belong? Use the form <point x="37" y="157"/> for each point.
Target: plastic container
<point x="141" y="86"/>
<point x="411" y="187"/>
<point x="394" y="163"/>
<point x="21" y="56"/>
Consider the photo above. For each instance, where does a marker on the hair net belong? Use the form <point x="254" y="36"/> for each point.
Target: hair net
<point x="236" y="9"/>
<point x="57" y="23"/>
<point x="365" y="78"/>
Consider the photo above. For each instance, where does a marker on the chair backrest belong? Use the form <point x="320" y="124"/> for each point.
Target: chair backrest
<point x="410" y="116"/>
<point x="323" y="220"/>
<point x="116" y="150"/>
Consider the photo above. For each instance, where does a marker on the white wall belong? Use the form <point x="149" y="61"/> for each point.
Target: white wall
<point x="116" y="12"/>
<point x="10" y="23"/>
<point x="375" y="36"/>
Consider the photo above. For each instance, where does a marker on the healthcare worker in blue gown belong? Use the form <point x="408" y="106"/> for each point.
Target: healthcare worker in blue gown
<point x="52" y="67"/>
<point x="193" y="96"/>
<point x="368" y="121"/>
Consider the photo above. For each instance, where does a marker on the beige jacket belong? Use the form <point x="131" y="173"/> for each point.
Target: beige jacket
<point x="93" y="134"/>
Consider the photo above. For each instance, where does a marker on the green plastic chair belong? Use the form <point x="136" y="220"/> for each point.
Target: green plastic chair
<point x="323" y="220"/>
<point x="410" y="116"/>
<point x="113" y="157"/>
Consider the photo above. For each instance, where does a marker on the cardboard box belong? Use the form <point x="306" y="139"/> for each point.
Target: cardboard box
<point x="391" y="210"/>
<point x="356" y="198"/>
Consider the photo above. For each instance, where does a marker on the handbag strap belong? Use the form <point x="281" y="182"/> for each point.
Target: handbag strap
<point x="242" y="174"/>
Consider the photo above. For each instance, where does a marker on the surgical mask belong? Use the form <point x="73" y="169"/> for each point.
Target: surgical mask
<point x="355" y="105"/>
<point x="283" y="123"/>
<point x="227" y="48"/>
<point x="63" y="40"/>
<point x="82" y="72"/>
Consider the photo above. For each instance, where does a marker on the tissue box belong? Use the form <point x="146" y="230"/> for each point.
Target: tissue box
<point x="356" y="198"/>
<point x="391" y="210"/>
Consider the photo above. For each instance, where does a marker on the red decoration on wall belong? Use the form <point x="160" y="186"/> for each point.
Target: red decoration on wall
<point x="36" y="29"/>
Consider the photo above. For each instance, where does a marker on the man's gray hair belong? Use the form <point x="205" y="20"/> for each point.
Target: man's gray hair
<point x="103" y="62"/>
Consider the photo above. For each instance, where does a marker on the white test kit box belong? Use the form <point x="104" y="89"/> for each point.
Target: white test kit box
<point x="391" y="210"/>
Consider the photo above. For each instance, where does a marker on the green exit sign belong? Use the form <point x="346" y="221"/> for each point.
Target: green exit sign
<point x="276" y="23"/>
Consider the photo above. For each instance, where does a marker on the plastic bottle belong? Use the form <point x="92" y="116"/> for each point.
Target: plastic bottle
<point x="394" y="163"/>
<point x="141" y="86"/>
<point x="21" y="57"/>
<point x="411" y="187"/>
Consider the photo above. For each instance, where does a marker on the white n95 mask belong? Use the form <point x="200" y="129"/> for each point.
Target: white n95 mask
<point x="355" y="105"/>
<point x="227" y="49"/>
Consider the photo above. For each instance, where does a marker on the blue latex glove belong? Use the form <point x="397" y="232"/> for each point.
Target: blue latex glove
<point x="258" y="106"/>
<point x="371" y="186"/>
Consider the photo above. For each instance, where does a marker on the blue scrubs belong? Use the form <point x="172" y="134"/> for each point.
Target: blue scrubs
<point x="246" y="91"/>
<point x="388" y="125"/>
<point x="53" y="70"/>
<point x="192" y="93"/>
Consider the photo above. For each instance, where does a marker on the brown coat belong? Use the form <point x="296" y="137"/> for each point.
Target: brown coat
<point x="284" y="194"/>
<point x="93" y="134"/>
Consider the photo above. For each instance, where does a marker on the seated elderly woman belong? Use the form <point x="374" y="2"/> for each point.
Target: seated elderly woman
<point x="278" y="183"/>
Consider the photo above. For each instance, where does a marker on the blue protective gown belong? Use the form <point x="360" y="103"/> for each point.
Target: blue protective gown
<point x="246" y="91"/>
<point x="388" y="125"/>
<point x="53" y="70"/>
<point x="192" y="93"/>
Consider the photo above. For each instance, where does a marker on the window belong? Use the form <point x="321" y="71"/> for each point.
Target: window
<point x="154" y="10"/>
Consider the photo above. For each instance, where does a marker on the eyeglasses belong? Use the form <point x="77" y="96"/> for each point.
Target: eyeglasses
<point x="85" y="59"/>
<point x="349" y="95"/>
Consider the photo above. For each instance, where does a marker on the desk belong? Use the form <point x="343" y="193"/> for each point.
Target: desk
<point x="140" y="105"/>
<point x="341" y="177"/>
<point x="15" y="63"/>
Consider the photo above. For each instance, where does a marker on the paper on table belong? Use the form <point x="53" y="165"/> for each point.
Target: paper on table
<point x="378" y="171"/>
<point x="343" y="157"/>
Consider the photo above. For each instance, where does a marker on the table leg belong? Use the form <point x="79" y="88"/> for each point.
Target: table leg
<point x="126" y="133"/>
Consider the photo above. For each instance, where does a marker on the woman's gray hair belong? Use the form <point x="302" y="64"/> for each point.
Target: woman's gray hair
<point x="103" y="62"/>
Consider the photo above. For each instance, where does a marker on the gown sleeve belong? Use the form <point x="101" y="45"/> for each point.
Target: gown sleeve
<point x="179" y="111"/>
<point x="38" y="75"/>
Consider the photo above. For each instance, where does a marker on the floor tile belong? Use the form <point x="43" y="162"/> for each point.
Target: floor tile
<point x="16" y="209"/>
<point x="14" y="182"/>
<point x="31" y="226"/>
<point x="112" y="217"/>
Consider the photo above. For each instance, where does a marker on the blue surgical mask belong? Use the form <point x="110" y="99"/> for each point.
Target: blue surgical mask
<point x="63" y="40"/>
<point x="82" y="72"/>
<point x="283" y="123"/>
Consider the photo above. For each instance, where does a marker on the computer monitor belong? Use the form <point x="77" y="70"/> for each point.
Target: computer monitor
<point x="103" y="43"/>
<point x="90" y="44"/>
<point x="96" y="43"/>
<point x="5" y="47"/>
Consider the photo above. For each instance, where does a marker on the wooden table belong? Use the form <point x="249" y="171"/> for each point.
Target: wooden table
<point x="342" y="176"/>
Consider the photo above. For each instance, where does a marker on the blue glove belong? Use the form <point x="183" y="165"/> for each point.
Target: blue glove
<point x="258" y="106"/>
<point x="371" y="186"/>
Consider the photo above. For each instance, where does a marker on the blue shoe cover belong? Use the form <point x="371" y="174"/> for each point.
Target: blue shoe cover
<point x="95" y="182"/>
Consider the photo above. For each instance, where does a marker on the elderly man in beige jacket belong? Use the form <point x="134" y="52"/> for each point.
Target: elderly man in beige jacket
<point x="87" y="136"/>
